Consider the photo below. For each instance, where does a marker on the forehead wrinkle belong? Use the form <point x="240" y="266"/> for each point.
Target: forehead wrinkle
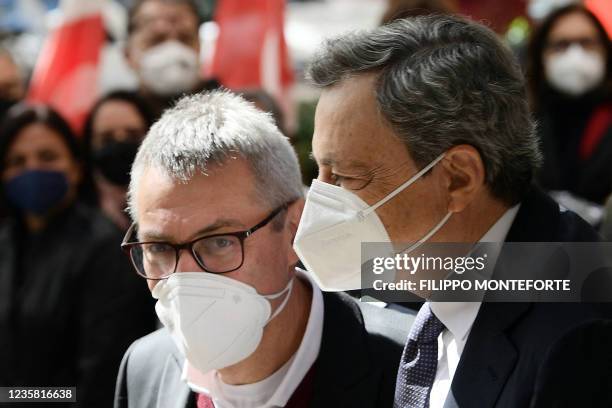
<point x="154" y="234"/>
<point x="351" y="164"/>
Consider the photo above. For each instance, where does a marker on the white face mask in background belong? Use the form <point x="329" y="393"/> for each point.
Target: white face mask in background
<point x="170" y="68"/>
<point x="334" y="224"/>
<point x="575" y="71"/>
<point x="215" y="321"/>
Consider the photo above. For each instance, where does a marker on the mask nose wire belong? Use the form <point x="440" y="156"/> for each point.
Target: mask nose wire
<point x="363" y="213"/>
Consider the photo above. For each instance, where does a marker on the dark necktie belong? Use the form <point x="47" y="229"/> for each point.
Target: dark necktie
<point x="417" y="369"/>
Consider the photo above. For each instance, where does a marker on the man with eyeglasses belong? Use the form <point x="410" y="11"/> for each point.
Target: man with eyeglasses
<point x="216" y="198"/>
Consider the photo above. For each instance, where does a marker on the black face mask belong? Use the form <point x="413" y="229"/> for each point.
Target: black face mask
<point x="115" y="160"/>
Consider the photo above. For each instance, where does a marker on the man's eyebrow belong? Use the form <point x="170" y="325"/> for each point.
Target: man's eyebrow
<point x="219" y="224"/>
<point x="346" y="165"/>
<point x="209" y="229"/>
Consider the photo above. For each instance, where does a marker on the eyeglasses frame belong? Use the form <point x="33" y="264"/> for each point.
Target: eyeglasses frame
<point x="241" y="235"/>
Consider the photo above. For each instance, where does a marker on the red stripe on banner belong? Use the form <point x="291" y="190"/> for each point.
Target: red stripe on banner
<point x="66" y="72"/>
<point x="243" y="27"/>
<point x="596" y="128"/>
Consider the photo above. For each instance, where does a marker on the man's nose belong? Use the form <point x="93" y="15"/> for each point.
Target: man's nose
<point x="186" y="262"/>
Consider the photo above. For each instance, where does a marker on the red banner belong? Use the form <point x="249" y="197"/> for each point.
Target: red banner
<point x="66" y="73"/>
<point x="251" y="51"/>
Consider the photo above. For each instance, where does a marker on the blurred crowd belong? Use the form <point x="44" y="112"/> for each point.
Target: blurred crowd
<point x="70" y="304"/>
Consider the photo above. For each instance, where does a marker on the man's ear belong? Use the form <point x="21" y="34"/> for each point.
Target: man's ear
<point x="294" y="213"/>
<point x="465" y="176"/>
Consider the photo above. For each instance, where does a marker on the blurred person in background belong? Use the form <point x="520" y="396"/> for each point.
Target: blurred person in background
<point x="112" y="134"/>
<point x="163" y="47"/>
<point x="570" y="84"/>
<point x="12" y="83"/>
<point x="69" y="306"/>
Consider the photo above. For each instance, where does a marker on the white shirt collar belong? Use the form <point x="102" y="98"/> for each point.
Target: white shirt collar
<point x="281" y="385"/>
<point x="458" y="317"/>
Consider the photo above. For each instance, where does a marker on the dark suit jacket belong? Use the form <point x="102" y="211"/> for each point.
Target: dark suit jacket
<point x="589" y="372"/>
<point x="357" y="364"/>
<point x="510" y="342"/>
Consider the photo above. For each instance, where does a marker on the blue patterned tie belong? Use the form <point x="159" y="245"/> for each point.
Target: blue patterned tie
<point x="417" y="369"/>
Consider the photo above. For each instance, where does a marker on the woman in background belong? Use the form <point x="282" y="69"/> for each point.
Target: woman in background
<point x="69" y="304"/>
<point x="570" y="83"/>
<point x="116" y="126"/>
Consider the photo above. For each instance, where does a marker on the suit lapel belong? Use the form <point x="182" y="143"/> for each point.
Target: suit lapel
<point x="173" y="392"/>
<point x="489" y="356"/>
<point x="450" y="401"/>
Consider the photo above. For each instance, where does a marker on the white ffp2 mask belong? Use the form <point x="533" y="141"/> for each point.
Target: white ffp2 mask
<point x="575" y="71"/>
<point x="215" y="321"/>
<point x="170" y="68"/>
<point x="334" y="224"/>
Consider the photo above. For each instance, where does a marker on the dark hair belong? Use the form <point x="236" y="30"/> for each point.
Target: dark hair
<point x="399" y="9"/>
<point x="23" y="115"/>
<point x="536" y="82"/>
<point x="192" y="4"/>
<point x="133" y="98"/>
<point x="443" y="81"/>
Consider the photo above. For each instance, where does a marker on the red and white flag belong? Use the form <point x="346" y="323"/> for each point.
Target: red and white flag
<point x="251" y="51"/>
<point x="66" y="72"/>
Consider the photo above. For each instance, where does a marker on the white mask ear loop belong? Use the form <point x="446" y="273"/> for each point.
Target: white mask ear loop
<point x="288" y="290"/>
<point x="362" y="214"/>
<point x="427" y="236"/>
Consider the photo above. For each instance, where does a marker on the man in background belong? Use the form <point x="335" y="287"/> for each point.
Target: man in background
<point x="163" y="47"/>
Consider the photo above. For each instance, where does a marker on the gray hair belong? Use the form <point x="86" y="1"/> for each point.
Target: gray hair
<point x="444" y="81"/>
<point x="207" y="129"/>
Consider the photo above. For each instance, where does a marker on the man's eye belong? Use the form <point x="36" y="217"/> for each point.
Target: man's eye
<point x="350" y="183"/>
<point x="336" y="179"/>
<point x="217" y="246"/>
<point x="221" y="243"/>
<point x="157" y="249"/>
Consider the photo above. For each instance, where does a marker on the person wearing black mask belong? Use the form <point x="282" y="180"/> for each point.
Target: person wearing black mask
<point x="570" y="81"/>
<point x="112" y="134"/>
<point x="69" y="306"/>
<point x="12" y="87"/>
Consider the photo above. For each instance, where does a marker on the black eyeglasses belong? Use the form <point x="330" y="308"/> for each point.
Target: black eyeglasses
<point x="219" y="253"/>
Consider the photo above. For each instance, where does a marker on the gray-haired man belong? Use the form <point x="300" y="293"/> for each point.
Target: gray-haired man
<point x="216" y="197"/>
<point x="424" y="132"/>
